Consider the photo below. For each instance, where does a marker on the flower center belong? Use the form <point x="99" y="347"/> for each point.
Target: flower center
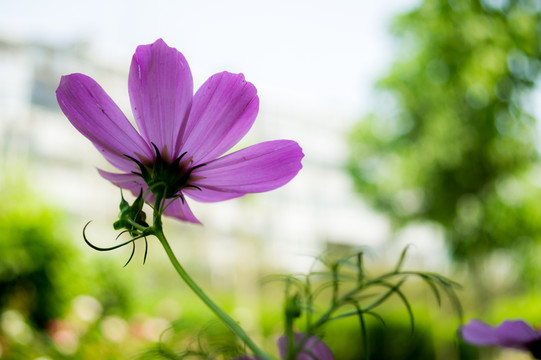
<point x="535" y="348"/>
<point x="164" y="178"/>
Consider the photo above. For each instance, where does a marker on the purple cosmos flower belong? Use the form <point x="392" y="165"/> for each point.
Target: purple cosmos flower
<point x="511" y="333"/>
<point x="179" y="149"/>
<point x="313" y="348"/>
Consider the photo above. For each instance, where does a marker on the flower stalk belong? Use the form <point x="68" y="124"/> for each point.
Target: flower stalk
<point x="224" y="317"/>
<point x="157" y="231"/>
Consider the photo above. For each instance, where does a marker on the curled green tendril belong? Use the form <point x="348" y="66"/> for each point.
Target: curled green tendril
<point x="143" y="235"/>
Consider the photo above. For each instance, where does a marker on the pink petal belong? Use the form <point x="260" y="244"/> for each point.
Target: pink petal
<point x="313" y="349"/>
<point x="479" y="333"/>
<point x="161" y="91"/>
<point x="211" y="195"/>
<point x="223" y="110"/>
<point x="180" y="210"/>
<point x="98" y="118"/>
<point x="516" y="334"/>
<point x="131" y="182"/>
<point x="261" y="167"/>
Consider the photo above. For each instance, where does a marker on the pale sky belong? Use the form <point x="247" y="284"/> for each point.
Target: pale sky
<point x="311" y="56"/>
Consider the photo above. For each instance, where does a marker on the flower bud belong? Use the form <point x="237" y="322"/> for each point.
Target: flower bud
<point x="292" y="307"/>
<point x="130" y="215"/>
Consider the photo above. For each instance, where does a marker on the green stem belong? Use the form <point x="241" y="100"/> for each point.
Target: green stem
<point x="136" y="225"/>
<point x="226" y="319"/>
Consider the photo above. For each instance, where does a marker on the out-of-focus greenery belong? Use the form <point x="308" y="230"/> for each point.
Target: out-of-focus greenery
<point x="52" y="300"/>
<point x="340" y="287"/>
<point x="395" y="322"/>
<point x="58" y="304"/>
<point x="453" y="141"/>
<point x="459" y="147"/>
<point x="34" y="267"/>
<point x="393" y="339"/>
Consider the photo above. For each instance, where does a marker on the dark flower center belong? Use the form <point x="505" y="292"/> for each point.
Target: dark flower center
<point x="535" y="348"/>
<point x="166" y="178"/>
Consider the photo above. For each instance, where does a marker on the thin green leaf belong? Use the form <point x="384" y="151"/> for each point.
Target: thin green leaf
<point x="364" y="332"/>
<point x="401" y="259"/>
<point x="360" y="269"/>
<point x="408" y="308"/>
<point x="451" y="294"/>
<point x="146" y="251"/>
<point x="385" y="296"/>
<point x="289" y="278"/>
<point x="131" y="256"/>
<point x="376" y="315"/>
<point x="428" y="280"/>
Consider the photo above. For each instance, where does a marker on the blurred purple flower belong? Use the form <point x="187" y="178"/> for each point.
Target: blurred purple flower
<point x="182" y="136"/>
<point x="514" y="334"/>
<point x="313" y="348"/>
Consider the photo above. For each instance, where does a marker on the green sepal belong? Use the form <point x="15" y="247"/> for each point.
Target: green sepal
<point x="130" y="215"/>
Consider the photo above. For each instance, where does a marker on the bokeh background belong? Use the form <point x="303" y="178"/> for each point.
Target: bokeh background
<point x="418" y="122"/>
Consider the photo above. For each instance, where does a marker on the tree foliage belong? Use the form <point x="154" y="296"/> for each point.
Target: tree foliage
<point x="459" y="146"/>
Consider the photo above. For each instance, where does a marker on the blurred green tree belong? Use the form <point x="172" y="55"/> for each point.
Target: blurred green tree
<point x="454" y="142"/>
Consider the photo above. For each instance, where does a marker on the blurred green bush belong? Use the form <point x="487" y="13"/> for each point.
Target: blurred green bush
<point x="38" y="266"/>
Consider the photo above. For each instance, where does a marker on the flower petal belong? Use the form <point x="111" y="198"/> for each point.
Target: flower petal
<point x="478" y="333"/>
<point x="516" y="334"/>
<point x="161" y="91"/>
<point x="223" y="110"/>
<point x="261" y="167"/>
<point x="131" y="182"/>
<point x="313" y="348"/>
<point x="180" y="210"/>
<point x="98" y="118"/>
<point x="211" y="195"/>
